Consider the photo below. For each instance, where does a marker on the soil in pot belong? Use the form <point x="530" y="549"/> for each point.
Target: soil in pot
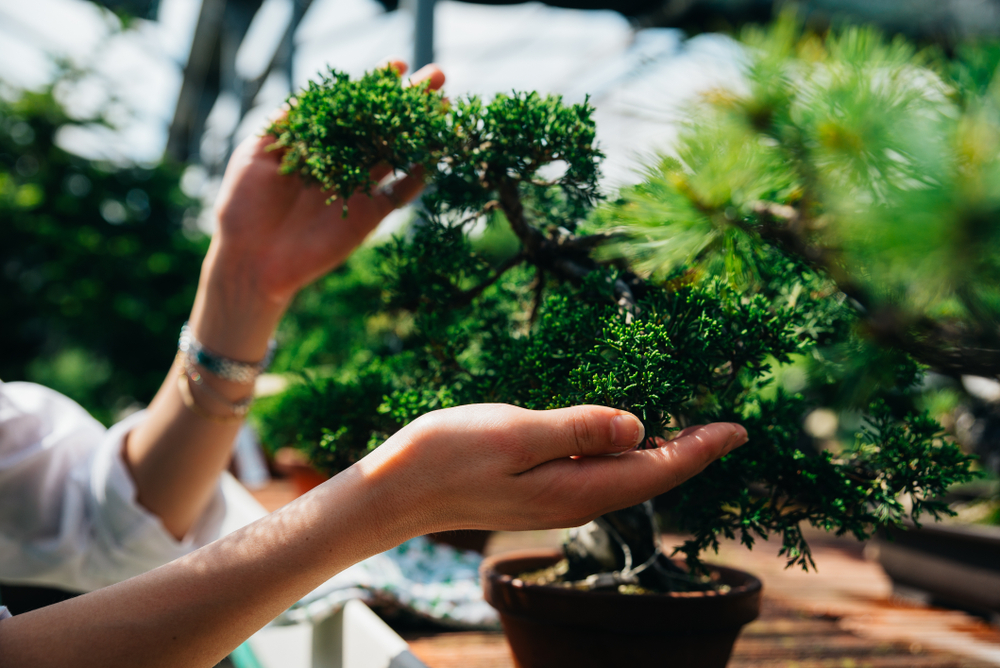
<point x="550" y="626"/>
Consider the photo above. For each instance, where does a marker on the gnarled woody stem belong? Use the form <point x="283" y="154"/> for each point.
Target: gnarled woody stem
<point x="566" y="256"/>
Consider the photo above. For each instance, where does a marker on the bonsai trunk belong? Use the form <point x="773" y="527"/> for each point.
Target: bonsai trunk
<point x="623" y="548"/>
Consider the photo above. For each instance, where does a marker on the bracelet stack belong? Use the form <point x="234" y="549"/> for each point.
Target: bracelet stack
<point x="217" y="365"/>
<point x="191" y="354"/>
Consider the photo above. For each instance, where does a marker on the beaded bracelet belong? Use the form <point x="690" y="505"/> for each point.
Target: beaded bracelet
<point x="217" y="365"/>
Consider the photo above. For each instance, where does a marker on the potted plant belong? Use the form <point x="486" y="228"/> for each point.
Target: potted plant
<point x="746" y="280"/>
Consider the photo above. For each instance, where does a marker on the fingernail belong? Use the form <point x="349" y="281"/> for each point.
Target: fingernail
<point x="738" y="438"/>
<point x="626" y="430"/>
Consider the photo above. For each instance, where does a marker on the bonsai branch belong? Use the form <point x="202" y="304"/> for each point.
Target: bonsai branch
<point x="492" y="205"/>
<point x="465" y="297"/>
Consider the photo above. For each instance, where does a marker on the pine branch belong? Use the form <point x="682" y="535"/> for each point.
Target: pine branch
<point x="946" y="348"/>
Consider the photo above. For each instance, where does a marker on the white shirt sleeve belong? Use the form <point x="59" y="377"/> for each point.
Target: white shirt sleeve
<point x="68" y="511"/>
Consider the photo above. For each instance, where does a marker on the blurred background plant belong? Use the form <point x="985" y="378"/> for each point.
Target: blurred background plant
<point x="877" y="164"/>
<point x="97" y="272"/>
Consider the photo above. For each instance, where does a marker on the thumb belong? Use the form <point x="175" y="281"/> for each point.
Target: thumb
<point x="584" y="431"/>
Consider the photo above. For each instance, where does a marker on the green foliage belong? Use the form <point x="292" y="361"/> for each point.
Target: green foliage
<point x="337" y="130"/>
<point x="509" y="140"/>
<point x="896" y="455"/>
<point x="873" y="162"/>
<point x="534" y="317"/>
<point x="96" y="275"/>
<point x="300" y="417"/>
<point x="329" y="327"/>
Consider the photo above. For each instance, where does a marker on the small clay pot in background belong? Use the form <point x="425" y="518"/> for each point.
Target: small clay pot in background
<point x="295" y="466"/>
<point x="463" y="539"/>
<point x="554" y="626"/>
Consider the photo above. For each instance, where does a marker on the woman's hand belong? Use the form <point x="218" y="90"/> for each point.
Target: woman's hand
<point x="276" y="234"/>
<point x="285" y="227"/>
<point x="500" y="467"/>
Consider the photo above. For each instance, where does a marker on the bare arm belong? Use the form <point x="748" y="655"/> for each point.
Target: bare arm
<point x="486" y="466"/>
<point x="275" y="235"/>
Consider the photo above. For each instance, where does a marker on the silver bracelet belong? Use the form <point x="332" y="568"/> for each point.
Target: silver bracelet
<point x="217" y="365"/>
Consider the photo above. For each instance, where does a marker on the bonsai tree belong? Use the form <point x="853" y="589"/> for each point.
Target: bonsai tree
<point x="832" y="220"/>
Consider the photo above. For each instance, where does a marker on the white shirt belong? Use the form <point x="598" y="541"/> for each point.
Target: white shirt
<point x="69" y="519"/>
<point x="68" y="511"/>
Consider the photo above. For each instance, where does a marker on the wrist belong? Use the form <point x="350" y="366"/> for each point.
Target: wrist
<point x="232" y="316"/>
<point x="403" y="493"/>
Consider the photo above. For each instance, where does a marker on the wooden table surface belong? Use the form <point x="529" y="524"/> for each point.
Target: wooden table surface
<point x="843" y="616"/>
<point x="780" y="638"/>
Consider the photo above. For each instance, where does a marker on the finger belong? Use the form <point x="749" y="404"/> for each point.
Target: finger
<point x="398" y="193"/>
<point x="278" y="114"/>
<point x="686" y="431"/>
<point x="639" y="475"/>
<point x="384" y="199"/>
<point x="582" y="431"/>
<point x="377" y="173"/>
<point x="259" y="145"/>
<point x="399" y="65"/>
<point x="430" y="73"/>
<point x="712" y="433"/>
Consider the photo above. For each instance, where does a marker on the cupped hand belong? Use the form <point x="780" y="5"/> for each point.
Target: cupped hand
<point x="279" y="233"/>
<point x="494" y="466"/>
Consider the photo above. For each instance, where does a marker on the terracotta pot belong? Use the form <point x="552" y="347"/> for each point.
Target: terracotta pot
<point x="294" y="465"/>
<point x="551" y="626"/>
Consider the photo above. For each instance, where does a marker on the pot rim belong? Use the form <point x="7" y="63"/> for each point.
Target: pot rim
<point x="683" y="613"/>
<point x="488" y="570"/>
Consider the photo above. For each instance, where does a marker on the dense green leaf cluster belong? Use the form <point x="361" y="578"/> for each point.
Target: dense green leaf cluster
<point x="505" y="143"/>
<point x="527" y="314"/>
<point x="337" y="130"/>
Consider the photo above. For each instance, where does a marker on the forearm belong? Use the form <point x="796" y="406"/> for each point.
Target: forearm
<point x="193" y="611"/>
<point x="176" y="455"/>
<point x="486" y="466"/>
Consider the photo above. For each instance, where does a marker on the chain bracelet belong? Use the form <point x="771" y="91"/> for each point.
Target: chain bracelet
<point x="240" y="408"/>
<point x="217" y="365"/>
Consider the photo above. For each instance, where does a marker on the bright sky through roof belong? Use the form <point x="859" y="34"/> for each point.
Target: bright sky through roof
<point x="139" y="68"/>
<point x="639" y="81"/>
